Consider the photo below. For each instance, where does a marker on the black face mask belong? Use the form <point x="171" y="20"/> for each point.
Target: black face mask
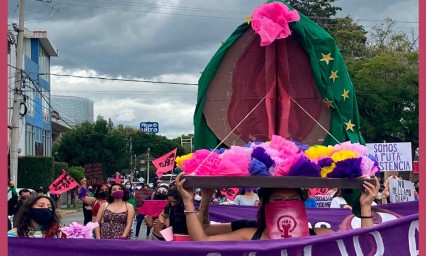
<point x="103" y="195"/>
<point x="42" y="216"/>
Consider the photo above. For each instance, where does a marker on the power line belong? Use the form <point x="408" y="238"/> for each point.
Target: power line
<point x="109" y="78"/>
<point x="117" y="79"/>
<point x="192" y="9"/>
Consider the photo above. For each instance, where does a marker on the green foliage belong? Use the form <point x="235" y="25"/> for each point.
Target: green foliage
<point x="57" y="168"/>
<point x="101" y="142"/>
<point x="387" y="85"/>
<point x="34" y="172"/>
<point x="94" y="143"/>
<point x="320" y="11"/>
<point x="350" y="37"/>
<point x="77" y="172"/>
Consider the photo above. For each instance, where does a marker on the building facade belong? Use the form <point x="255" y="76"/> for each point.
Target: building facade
<point x="74" y="110"/>
<point x="35" y="121"/>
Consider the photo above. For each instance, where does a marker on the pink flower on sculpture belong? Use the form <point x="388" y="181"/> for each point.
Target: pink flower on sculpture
<point x="202" y="162"/>
<point x="271" y="21"/>
<point x="76" y="230"/>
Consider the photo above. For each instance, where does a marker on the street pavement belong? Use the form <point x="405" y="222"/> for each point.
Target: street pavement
<point x="69" y="216"/>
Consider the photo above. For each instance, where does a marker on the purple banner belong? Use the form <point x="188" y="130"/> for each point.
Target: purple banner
<point x="336" y="219"/>
<point x="396" y="237"/>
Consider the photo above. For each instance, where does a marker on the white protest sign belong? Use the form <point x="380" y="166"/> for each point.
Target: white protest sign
<point x="392" y="156"/>
<point x="400" y="190"/>
<point x="323" y="201"/>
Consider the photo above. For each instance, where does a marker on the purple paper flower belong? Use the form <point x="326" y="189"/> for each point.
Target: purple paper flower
<point x="219" y="150"/>
<point x="76" y="230"/>
<point x="260" y="154"/>
<point x="257" y="168"/>
<point x="349" y="168"/>
<point x="325" y="162"/>
<point x="305" y="167"/>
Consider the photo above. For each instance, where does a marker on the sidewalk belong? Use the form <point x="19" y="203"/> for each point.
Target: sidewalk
<point x="63" y="211"/>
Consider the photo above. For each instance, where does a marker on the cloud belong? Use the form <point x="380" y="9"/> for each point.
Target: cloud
<point x="130" y="103"/>
<point x="165" y="40"/>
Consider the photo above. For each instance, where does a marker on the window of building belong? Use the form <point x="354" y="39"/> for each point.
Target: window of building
<point x="47" y="143"/>
<point x="44" y="63"/>
<point x="29" y="139"/>
<point x="45" y="104"/>
<point x="29" y="91"/>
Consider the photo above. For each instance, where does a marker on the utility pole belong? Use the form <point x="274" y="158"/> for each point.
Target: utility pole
<point x="14" y="136"/>
<point x="147" y="166"/>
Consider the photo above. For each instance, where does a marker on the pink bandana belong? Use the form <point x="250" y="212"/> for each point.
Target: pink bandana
<point x="286" y="219"/>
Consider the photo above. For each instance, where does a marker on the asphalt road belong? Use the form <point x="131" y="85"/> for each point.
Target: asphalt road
<point x="78" y="217"/>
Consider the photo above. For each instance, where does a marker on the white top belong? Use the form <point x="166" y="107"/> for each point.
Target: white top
<point x="241" y="200"/>
<point x="338" y="202"/>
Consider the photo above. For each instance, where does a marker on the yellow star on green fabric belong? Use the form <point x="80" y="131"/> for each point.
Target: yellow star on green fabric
<point x="334" y="75"/>
<point x="345" y="94"/>
<point x="326" y="57"/>
<point x="248" y="19"/>
<point x="349" y="125"/>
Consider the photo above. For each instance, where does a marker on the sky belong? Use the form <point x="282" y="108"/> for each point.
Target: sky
<point x="164" y="41"/>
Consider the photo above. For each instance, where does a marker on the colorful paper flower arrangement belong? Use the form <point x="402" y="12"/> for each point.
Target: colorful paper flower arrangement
<point x="282" y="157"/>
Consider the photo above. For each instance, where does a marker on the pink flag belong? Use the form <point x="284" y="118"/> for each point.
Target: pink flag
<point x="165" y="163"/>
<point x="63" y="183"/>
<point x="152" y="207"/>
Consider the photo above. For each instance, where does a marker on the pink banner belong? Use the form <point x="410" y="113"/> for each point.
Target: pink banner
<point x="165" y="163"/>
<point x="152" y="207"/>
<point x="230" y="193"/>
<point x="63" y="183"/>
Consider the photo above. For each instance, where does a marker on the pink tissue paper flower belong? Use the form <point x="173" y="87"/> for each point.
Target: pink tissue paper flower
<point x="271" y="21"/>
<point x="76" y="230"/>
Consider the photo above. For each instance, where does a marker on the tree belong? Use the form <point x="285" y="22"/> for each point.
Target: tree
<point x="320" y="11"/>
<point x="100" y="142"/>
<point x="350" y="37"/>
<point x="386" y="81"/>
<point x="94" y="143"/>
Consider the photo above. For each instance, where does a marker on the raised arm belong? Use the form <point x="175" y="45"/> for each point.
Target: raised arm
<point x="195" y="228"/>
<point x="368" y="194"/>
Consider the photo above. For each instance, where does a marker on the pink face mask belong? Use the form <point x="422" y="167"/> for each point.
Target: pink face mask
<point x="286" y="219"/>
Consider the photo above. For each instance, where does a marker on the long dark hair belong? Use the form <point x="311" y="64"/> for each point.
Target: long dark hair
<point x="98" y="188"/>
<point x="22" y="220"/>
<point x="173" y="192"/>
<point x="125" y="190"/>
<point x="264" y="196"/>
<point x="338" y="193"/>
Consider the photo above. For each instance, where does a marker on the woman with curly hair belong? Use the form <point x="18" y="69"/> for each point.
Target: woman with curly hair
<point x="37" y="218"/>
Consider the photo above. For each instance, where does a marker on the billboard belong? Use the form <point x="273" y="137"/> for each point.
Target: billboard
<point x="149" y="127"/>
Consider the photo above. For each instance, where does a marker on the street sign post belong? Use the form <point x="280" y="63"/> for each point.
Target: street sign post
<point x="149" y="127"/>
